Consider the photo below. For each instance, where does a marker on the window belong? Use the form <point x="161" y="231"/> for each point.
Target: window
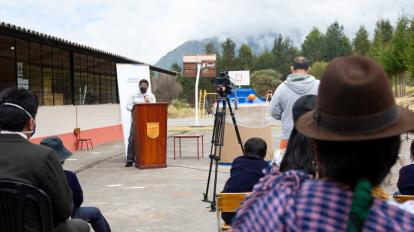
<point x="22" y="65"/>
<point x="67" y="80"/>
<point x="114" y="84"/>
<point x="7" y="62"/>
<point x="35" y="70"/>
<point x="46" y="71"/>
<point x="58" y="81"/>
<point x="47" y="62"/>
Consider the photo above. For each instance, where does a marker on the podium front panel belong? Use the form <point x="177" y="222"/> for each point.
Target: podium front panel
<point x="150" y="124"/>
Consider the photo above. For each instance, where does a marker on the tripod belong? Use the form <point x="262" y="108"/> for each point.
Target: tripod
<point x="217" y="144"/>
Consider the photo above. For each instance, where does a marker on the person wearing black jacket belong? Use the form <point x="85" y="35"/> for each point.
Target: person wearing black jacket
<point x="90" y="214"/>
<point x="23" y="161"/>
<point x="406" y="179"/>
<point x="246" y="170"/>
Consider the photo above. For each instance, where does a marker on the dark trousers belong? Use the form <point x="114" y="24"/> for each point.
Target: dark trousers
<point x="94" y="216"/>
<point x="131" y="147"/>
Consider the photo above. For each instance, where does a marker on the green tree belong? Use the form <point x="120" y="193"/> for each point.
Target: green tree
<point x="229" y="51"/>
<point x="188" y="84"/>
<point x="283" y="54"/>
<point x="264" y="61"/>
<point x="382" y="37"/>
<point x="394" y="58"/>
<point x="361" y="43"/>
<point x="312" y="46"/>
<point x="385" y="28"/>
<point x="245" y="59"/>
<point x="176" y="67"/>
<point x="410" y="49"/>
<point x="317" y="69"/>
<point x="265" y="80"/>
<point x="209" y="48"/>
<point x="336" y="42"/>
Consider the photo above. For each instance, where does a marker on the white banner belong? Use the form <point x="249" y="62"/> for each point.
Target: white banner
<point x="128" y="76"/>
<point x="240" y="77"/>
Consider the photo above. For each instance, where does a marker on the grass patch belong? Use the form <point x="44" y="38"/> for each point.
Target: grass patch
<point x="179" y="109"/>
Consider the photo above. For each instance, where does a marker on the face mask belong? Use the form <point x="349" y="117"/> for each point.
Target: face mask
<point x="31" y="132"/>
<point x="143" y="89"/>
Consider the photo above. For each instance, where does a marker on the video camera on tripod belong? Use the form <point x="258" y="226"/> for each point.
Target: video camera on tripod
<point x="223" y="87"/>
<point x="223" y="83"/>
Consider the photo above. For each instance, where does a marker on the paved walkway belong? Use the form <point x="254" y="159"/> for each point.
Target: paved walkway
<point x="166" y="199"/>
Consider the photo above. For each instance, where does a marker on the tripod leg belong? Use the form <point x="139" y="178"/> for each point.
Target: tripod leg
<point x="213" y="148"/>
<point x="236" y="128"/>
<point x="213" y="203"/>
<point x="220" y="143"/>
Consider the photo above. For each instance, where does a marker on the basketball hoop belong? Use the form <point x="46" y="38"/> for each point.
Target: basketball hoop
<point x="203" y="65"/>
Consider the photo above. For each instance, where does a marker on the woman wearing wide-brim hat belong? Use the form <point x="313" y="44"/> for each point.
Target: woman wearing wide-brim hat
<point x="356" y="126"/>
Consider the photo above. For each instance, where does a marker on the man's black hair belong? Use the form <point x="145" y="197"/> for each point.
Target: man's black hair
<point x="412" y="149"/>
<point x="143" y="81"/>
<point x="300" y="152"/>
<point x="348" y="162"/>
<point x="255" y="147"/>
<point x="12" y="118"/>
<point x="300" y="62"/>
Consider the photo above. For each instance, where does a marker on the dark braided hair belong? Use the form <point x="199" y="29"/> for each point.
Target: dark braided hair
<point x="360" y="165"/>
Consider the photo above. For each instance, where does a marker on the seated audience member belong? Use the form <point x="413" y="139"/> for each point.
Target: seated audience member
<point x="90" y="214"/>
<point x="300" y="154"/>
<point x="246" y="170"/>
<point x="33" y="164"/>
<point x="406" y="180"/>
<point x="356" y="126"/>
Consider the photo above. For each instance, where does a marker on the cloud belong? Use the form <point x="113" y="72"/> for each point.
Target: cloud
<point x="146" y="30"/>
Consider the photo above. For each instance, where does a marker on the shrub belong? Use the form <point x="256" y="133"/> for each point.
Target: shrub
<point x="166" y="88"/>
<point x="265" y="80"/>
<point x="317" y="69"/>
<point x="179" y="108"/>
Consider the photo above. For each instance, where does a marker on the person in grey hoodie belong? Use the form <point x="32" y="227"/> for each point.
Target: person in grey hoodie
<point x="297" y="84"/>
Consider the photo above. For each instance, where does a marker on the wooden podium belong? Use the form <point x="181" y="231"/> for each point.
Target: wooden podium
<point x="150" y="127"/>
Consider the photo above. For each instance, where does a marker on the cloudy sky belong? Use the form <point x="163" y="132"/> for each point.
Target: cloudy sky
<point x="146" y="30"/>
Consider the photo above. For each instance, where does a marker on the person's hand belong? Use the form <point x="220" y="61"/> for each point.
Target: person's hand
<point x="146" y="99"/>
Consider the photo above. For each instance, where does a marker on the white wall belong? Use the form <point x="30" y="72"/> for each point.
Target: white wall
<point x="52" y="120"/>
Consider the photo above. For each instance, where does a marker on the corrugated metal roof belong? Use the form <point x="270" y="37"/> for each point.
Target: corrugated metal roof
<point x="50" y="38"/>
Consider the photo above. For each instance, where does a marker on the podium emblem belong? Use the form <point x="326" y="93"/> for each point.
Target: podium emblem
<point x="153" y="130"/>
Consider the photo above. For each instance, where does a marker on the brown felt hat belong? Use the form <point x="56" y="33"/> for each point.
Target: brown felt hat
<point x="354" y="103"/>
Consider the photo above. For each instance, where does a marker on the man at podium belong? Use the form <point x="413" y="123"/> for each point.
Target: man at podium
<point x="143" y="96"/>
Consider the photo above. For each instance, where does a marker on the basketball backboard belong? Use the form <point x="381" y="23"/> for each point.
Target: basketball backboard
<point x="207" y="61"/>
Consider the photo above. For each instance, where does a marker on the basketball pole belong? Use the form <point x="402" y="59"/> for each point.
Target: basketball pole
<point x="196" y="94"/>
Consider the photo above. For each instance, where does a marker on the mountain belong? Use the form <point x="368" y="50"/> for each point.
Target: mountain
<point x="257" y="43"/>
<point x="188" y="47"/>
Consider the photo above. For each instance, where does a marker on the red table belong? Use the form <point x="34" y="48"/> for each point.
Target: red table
<point x="194" y="136"/>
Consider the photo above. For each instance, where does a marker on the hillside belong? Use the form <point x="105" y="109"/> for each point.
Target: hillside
<point x="257" y="43"/>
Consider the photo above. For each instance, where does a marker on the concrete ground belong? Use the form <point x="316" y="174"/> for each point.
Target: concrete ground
<point x="167" y="199"/>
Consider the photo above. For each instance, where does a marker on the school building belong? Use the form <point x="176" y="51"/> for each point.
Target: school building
<point x="76" y="85"/>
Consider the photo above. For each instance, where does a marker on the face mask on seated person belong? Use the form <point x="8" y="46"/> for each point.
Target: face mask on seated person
<point x="31" y="132"/>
